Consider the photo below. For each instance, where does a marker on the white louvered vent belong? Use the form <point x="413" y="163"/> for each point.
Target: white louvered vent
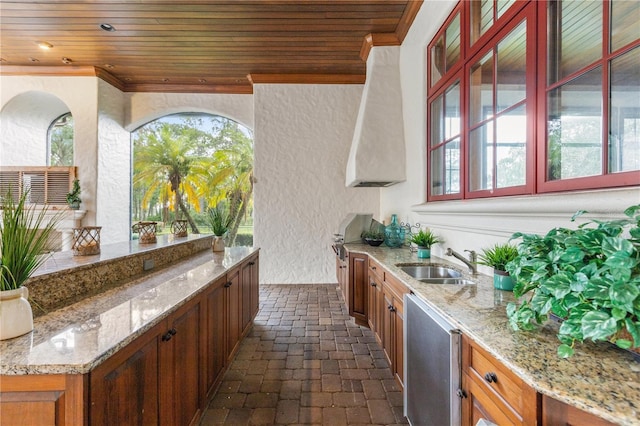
<point x="46" y="185"/>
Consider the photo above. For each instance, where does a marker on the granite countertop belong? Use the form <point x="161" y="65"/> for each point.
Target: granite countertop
<point x="599" y="378"/>
<point x="76" y="338"/>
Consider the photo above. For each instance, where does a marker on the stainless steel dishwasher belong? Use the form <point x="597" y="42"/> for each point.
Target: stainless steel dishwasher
<point x="431" y="366"/>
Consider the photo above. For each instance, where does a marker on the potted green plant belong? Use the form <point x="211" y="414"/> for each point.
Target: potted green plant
<point x="24" y="236"/>
<point x="497" y="257"/>
<point x="373" y="237"/>
<point x="588" y="277"/>
<point x="219" y="220"/>
<point x="424" y="239"/>
<point x="73" y="197"/>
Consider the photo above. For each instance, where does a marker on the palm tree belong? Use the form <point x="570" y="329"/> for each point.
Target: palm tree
<point x="231" y="177"/>
<point x="165" y="163"/>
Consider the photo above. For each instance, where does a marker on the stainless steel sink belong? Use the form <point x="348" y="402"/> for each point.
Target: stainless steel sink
<point x="421" y="272"/>
<point x="458" y="281"/>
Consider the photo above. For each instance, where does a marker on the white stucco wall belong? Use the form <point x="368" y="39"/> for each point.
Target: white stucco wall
<point x="302" y="140"/>
<point x="114" y="166"/>
<point x="80" y="95"/>
<point x="472" y="224"/>
<point x="141" y="108"/>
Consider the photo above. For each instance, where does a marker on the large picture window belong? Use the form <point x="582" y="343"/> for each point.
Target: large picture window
<point x="546" y="98"/>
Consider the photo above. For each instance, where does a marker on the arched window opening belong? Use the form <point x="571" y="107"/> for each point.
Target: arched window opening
<point x="187" y="165"/>
<point x="60" y="141"/>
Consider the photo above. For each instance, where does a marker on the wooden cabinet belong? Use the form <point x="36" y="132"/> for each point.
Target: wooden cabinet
<point x="41" y="400"/>
<point x="556" y="413"/>
<point x="357" y="287"/>
<point x="139" y="384"/>
<point x="374" y="297"/>
<point x="392" y="325"/>
<point x="215" y="299"/>
<point x="250" y="291"/>
<point x="493" y="392"/>
<point x="234" y="312"/>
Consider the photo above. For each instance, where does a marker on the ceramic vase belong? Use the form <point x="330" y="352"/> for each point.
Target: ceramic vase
<point x="218" y="244"/>
<point x="16" y="316"/>
<point x="502" y="280"/>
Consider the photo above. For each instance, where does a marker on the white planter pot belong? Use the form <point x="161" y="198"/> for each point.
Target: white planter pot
<point x="218" y="244"/>
<point x="16" y="316"/>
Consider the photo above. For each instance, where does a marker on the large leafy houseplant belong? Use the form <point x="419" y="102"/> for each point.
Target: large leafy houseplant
<point x="24" y="235"/>
<point x="589" y="277"/>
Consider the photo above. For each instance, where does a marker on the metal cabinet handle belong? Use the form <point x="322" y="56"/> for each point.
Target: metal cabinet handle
<point x="373" y="284"/>
<point x="461" y="393"/>
<point x="391" y="308"/>
<point x="173" y="331"/>
<point x="491" y="377"/>
<point x="228" y="284"/>
<point x="374" y="268"/>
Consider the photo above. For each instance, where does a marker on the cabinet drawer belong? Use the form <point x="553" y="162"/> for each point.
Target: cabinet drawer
<point x="376" y="269"/>
<point x="495" y="378"/>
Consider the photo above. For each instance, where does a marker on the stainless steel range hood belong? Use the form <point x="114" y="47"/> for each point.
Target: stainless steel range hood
<point x="377" y="156"/>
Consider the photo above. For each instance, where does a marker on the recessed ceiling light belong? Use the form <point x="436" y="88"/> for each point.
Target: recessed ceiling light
<point x="107" y="27"/>
<point x="165" y="80"/>
<point x="109" y="66"/>
<point x="44" y="45"/>
<point x="202" y="80"/>
<point x="66" y="61"/>
<point x="127" y="79"/>
<point x="34" y="60"/>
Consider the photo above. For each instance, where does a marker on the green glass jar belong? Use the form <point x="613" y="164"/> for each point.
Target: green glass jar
<point x="394" y="233"/>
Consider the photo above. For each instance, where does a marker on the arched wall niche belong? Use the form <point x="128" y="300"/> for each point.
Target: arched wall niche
<point x="24" y="121"/>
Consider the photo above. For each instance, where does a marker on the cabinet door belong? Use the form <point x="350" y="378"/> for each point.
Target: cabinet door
<point x="387" y="336"/>
<point x="555" y="412"/>
<point x="216" y="336"/>
<point x="233" y="300"/>
<point x="358" y="279"/>
<point x="124" y="389"/>
<point x="372" y="303"/>
<point x="245" y="283"/>
<point x="255" y="286"/>
<point x="180" y="367"/>
<point x="477" y="405"/>
<point x="398" y="330"/>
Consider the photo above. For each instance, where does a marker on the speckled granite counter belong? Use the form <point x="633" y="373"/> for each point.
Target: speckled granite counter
<point x="599" y="378"/>
<point x="76" y="338"/>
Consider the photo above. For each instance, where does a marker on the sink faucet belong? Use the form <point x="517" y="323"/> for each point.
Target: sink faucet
<point x="471" y="263"/>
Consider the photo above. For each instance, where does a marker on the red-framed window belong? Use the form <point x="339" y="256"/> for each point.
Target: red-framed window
<point x="504" y="114"/>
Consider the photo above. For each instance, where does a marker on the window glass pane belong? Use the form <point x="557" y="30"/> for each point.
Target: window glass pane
<point x="436" y="121"/>
<point x="452" y="111"/>
<point x="574" y="126"/>
<point x="511" y="149"/>
<point x="625" y="18"/>
<point x="503" y="6"/>
<point x="481" y="18"/>
<point x="437" y="60"/>
<point x="452" y="167"/>
<point x="624" y="128"/>
<point x="481" y="90"/>
<point x="61" y="141"/>
<point x="481" y="158"/>
<point x="437" y="175"/>
<point x="511" y="68"/>
<point x="575" y="36"/>
<point x="452" y="37"/>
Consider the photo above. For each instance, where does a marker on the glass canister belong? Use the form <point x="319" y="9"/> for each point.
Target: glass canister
<point x="394" y="233"/>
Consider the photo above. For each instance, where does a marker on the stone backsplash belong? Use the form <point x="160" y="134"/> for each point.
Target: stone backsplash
<point x="65" y="279"/>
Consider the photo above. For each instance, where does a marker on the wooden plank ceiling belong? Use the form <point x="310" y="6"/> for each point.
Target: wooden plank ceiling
<point x="211" y="46"/>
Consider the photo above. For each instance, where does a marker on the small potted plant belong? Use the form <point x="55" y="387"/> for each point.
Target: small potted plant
<point x="588" y="277"/>
<point x="498" y="257"/>
<point x="219" y="220"/>
<point x="73" y="197"/>
<point x="24" y="236"/>
<point x="373" y="238"/>
<point x="424" y="239"/>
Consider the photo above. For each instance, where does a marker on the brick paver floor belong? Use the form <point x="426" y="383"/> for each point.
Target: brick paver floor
<point x="305" y="361"/>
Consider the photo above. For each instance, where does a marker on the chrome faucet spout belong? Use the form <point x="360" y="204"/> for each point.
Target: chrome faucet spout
<point x="471" y="262"/>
